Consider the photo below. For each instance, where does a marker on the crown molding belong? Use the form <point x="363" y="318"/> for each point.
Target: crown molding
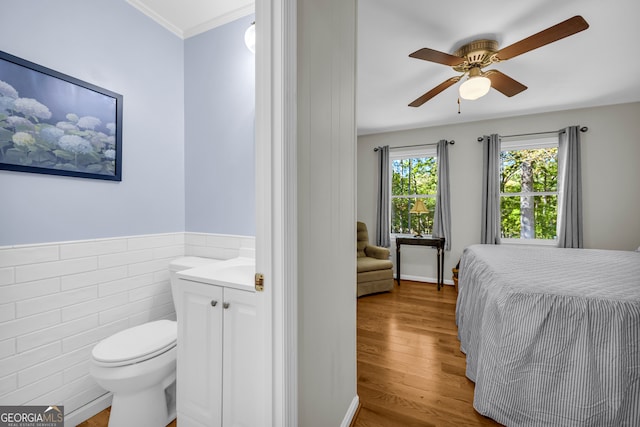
<point x="185" y="33"/>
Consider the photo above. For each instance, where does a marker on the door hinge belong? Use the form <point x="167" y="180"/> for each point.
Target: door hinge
<point x="259" y="282"/>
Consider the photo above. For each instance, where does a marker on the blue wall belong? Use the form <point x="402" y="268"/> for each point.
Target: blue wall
<point x="219" y="132"/>
<point x="113" y="45"/>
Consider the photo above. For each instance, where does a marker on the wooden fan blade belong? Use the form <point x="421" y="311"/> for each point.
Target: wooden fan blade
<point x="437" y="56"/>
<point x="433" y="92"/>
<point x="503" y="83"/>
<point x="559" y="31"/>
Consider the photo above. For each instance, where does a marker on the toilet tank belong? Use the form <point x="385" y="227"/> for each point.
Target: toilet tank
<point x="185" y="263"/>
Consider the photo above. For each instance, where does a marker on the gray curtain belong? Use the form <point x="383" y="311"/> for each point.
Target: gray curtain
<point x="442" y="215"/>
<point x="382" y="209"/>
<point x="569" y="189"/>
<point x="490" y="227"/>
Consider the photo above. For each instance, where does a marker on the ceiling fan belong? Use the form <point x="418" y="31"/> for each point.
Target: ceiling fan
<point x="471" y="58"/>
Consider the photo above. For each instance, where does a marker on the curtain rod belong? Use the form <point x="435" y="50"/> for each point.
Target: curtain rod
<point x="582" y="129"/>
<point x="417" y="145"/>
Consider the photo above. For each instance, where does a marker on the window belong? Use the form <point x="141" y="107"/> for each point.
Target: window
<point x="414" y="175"/>
<point x="529" y="189"/>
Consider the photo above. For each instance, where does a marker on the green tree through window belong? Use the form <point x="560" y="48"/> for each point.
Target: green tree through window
<point x="413" y="178"/>
<point x="529" y="193"/>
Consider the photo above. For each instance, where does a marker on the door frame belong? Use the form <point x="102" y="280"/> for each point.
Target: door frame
<point x="276" y="204"/>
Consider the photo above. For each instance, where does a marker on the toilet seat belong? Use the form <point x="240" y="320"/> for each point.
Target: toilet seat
<point x="137" y="344"/>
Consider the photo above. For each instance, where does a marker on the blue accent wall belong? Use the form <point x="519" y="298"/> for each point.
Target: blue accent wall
<point x="209" y="77"/>
<point x="219" y="131"/>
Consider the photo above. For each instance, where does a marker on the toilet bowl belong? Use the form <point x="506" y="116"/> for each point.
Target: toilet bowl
<point x="138" y="365"/>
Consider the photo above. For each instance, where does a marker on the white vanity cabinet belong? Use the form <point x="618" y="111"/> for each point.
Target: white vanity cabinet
<point x="218" y="343"/>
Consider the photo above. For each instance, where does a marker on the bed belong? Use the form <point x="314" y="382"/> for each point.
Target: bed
<point x="552" y="336"/>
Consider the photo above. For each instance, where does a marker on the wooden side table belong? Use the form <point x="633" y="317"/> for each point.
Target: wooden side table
<point x="437" y="242"/>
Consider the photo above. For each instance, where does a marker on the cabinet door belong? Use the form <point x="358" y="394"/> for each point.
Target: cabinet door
<point x="242" y="367"/>
<point x="199" y="365"/>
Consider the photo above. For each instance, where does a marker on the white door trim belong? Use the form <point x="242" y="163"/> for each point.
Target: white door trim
<point x="276" y="201"/>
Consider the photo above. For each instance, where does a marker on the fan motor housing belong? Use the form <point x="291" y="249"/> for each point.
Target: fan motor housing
<point x="478" y="53"/>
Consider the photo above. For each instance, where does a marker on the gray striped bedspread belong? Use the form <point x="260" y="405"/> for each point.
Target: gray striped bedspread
<point x="552" y="336"/>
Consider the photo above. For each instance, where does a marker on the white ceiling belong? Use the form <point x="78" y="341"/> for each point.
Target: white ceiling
<point x="599" y="66"/>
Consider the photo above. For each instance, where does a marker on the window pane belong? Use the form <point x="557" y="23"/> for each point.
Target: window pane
<point x="529" y="170"/>
<point x="400" y="215"/>
<point x="427" y="218"/>
<point x="400" y="179"/>
<point x="404" y="222"/>
<point x="411" y="177"/>
<point x="414" y="176"/>
<point x="529" y="217"/>
<point x="426" y="175"/>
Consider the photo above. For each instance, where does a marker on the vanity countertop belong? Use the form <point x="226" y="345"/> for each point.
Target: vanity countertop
<point x="238" y="273"/>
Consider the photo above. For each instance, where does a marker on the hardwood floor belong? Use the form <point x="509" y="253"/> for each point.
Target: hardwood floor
<point x="410" y="368"/>
<point x="102" y="420"/>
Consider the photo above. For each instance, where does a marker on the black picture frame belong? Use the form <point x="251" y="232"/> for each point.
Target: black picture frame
<point x="52" y="123"/>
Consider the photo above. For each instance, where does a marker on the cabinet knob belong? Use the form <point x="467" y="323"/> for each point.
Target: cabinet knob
<point x="226" y="305"/>
<point x="214" y="303"/>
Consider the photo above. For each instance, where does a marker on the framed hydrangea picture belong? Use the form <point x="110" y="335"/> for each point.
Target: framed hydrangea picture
<point x="52" y="123"/>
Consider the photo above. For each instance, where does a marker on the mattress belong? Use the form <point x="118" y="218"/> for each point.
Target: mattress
<point x="552" y="336"/>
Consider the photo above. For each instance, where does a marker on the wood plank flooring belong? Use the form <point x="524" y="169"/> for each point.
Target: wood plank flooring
<point x="410" y="368"/>
<point x="102" y="420"/>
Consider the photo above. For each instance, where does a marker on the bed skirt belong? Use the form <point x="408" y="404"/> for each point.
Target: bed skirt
<point x="552" y="336"/>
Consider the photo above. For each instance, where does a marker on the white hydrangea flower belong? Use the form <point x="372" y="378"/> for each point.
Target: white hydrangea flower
<point x="32" y="108"/>
<point x="22" y="138"/>
<point x="73" y="118"/>
<point x="111" y="127"/>
<point x="16" y="121"/>
<point x="89" y="122"/>
<point x="66" y="126"/>
<point x="109" y="154"/>
<point x="51" y="134"/>
<point x="7" y="90"/>
<point x="75" y="144"/>
<point x="6" y="103"/>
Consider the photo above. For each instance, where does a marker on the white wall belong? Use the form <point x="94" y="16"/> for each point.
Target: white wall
<point x="326" y="212"/>
<point x="610" y="156"/>
<point x="112" y="45"/>
<point x="70" y="272"/>
<point x="57" y="300"/>
<point x="219" y="131"/>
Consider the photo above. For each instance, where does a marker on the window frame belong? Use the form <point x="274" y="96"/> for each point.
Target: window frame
<point x="401" y="154"/>
<point x="530" y="143"/>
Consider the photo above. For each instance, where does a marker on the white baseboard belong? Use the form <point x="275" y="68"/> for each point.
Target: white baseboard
<point x="353" y="408"/>
<point x="424" y="279"/>
<point x="87" y="411"/>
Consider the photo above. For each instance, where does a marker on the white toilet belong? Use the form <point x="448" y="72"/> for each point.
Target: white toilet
<point x="138" y="365"/>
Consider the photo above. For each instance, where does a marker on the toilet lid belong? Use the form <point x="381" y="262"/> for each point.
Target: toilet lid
<point x="136" y="344"/>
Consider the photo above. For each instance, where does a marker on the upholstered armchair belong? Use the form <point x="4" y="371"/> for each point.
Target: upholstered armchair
<point x="375" y="269"/>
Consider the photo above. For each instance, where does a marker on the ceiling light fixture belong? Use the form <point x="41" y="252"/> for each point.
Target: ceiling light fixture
<point x="475" y="86"/>
<point x="250" y="37"/>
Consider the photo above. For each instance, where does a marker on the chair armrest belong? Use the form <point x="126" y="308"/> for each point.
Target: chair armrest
<point x="376" y="252"/>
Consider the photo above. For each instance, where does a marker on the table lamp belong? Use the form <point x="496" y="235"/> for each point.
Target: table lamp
<point x="419" y="208"/>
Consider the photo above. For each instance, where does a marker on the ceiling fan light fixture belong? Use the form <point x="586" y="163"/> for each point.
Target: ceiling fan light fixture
<point x="475" y="87"/>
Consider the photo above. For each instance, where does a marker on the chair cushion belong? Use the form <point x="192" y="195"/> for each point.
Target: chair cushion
<point x="373" y="287"/>
<point x="373" y="276"/>
<point x="372" y="264"/>
<point x="376" y="252"/>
